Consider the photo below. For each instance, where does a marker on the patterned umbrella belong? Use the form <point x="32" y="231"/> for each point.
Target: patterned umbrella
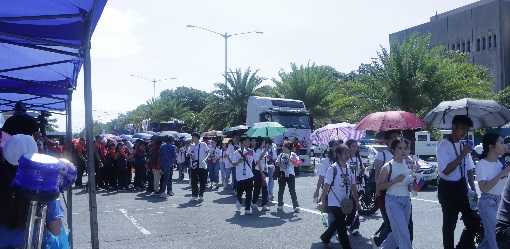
<point x="391" y="120"/>
<point x="340" y="131"/>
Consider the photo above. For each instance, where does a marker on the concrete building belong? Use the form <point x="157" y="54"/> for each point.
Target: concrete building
<point x="481" y="29"/>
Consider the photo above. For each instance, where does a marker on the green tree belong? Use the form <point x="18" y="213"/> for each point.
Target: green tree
<point x="191" y="98"/>
<point x="414" y="77"/>
<point x="234" y="95"/>
<point x="503" y="97"/>
<point x="310" y="83"/>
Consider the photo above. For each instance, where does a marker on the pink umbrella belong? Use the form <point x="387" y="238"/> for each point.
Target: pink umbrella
<point x="391" y="120"/>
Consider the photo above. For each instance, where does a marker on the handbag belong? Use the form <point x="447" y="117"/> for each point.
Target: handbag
<point x="380" y="199"/>
<point x="346" y="204"/>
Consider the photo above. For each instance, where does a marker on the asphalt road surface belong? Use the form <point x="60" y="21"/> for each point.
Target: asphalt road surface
<point x="135" y="220"/>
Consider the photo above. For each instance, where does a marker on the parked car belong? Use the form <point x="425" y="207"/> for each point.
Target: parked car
<point x="428" y="170"/>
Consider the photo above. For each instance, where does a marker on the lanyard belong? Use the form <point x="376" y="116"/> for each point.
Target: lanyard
<point x="344" y="178"/>
<point x="461" y="168"/>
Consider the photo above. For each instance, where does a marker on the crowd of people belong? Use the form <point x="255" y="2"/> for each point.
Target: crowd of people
<point x="247" y="166"/>
<point x="396" y="182"/>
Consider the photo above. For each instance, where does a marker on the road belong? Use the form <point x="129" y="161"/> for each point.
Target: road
<point x="135" y="220"/>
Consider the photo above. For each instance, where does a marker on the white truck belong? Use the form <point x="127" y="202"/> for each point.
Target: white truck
<point x="290" y="113"/>
<point x="425" y="145"/>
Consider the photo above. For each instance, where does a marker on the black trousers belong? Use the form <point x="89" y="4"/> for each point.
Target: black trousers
<point x="245" y="186"/>
<point x="124" y="177"/>
<point x="198" y="176"/>
<point x="454" y="200"/>
<point x="339" y="225"/>
<point x="291" y="182"/>
<point x="80" y="170"/>
<point x="259" y="185"/>
<point x="140" y="176"/>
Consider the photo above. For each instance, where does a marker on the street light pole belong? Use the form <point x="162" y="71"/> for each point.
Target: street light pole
<point x="225" y="37"/>
<point x="153" y="81"/>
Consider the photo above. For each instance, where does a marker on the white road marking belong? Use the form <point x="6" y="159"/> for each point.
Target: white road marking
<point x="134" y="222"/>
<point x="425" y="200"/>
<point x="300" y="208"/>
<point x="108" y="211"/>
<point x="76" y="213"/>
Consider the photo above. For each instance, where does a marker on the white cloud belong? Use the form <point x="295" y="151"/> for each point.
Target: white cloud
<point x="116" y="34"/>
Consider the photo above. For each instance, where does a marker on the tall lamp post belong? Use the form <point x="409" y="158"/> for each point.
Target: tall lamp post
<point x="153" y="81"/>
<point x="225" y="36"/>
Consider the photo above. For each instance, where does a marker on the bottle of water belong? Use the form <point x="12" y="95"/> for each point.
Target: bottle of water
<point x="473" y="200"/>
<point x="324" y="219"/>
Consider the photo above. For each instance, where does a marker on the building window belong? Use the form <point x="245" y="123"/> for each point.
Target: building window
<point x="463" y="47"/>
<point x="490" y="41"/>
<point x="458" y="46"/>
<point x="483" y="43"/>
<point x="469" y="46"/>
<point x="478" y="44"/>
<point x="453" y="46"/>
<point x="494" y="38"/>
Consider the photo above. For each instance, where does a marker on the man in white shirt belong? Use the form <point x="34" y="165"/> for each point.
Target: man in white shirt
<point x="243" y="161"/>
<point x="199" y="153"/>
<point x="455" y="172"/>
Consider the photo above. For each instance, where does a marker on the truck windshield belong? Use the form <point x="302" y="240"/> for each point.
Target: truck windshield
<point x="289" y="120"/>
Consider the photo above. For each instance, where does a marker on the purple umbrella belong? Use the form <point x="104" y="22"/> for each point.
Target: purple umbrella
<point x="340" y="131"/>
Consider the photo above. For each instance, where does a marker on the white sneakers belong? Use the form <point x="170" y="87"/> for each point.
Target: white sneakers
<point x="201" y="198"/>
<point x="238" y="206"/>
<point x="265" y="208"/>
<point x="296" y="210"/>
<point x="164" y="195"/>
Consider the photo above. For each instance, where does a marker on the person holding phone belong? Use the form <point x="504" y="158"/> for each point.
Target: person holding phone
<point x="456" y="169"/>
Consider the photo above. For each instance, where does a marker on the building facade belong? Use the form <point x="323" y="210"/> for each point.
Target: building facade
<point x="481" y="29"/>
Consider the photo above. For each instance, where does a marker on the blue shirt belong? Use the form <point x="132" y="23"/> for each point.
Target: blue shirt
<point x="15" y="238"/>
<point x="167" y="156"/>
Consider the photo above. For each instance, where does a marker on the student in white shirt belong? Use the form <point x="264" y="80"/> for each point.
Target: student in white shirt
<point x="396" y="179"/>
<point x="455" y="173"/>
<point x="181" y="159"/>
<point x="339" y="184"/>
<point x="492" y="176"/>
<point x="225" y="165"/>
<point x="323" y="168"/>
<point x="271" y="157"/>
<point x="286" y="162"/>
<point x="260" y="173"/>
<point x="243" y="161"/>
<point x="356" y="167"/>
<point x="199" y="153"/>
<point x="382" y="158"/>
<point x="213" y="164"/>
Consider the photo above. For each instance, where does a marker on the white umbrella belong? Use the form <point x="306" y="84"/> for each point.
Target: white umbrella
<point x="484" y="113"/>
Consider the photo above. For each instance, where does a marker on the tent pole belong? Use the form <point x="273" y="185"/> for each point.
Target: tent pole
<point x="68" y="145"/>
<point x="90" y="146"/>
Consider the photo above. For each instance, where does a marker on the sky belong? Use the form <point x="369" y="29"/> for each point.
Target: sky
<point x="150" y="39"/>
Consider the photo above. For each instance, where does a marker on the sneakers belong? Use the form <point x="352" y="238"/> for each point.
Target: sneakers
<point x="238" y="206"/>
<point x="171" y="193"/>
<point x="254" y="207"/>
<point x="265" y="208"/>
<point x="296" y="210"/>
<point x="163" y="195"/>
<point x="247" y="212"/>
<point x="194" y="198"/>
<point x="280" y="208"/>
<point x="201" y="198"/>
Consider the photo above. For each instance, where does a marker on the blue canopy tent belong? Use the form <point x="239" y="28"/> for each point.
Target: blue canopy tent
<point x="43" y="45"/>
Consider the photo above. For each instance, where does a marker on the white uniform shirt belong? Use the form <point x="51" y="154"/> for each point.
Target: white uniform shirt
<point x="446" y="154"/>
<point x="384" y="156"/>
<point x="181" y="155"/>
<point x="203" y="154"/>
<point x="341" y="187"/>
<point x="261" y="155"/>
<point x="285" y="162"/>
<point x="324" y="166"/>
<point x="227" y="155"/>
<point x="354" y="164"/>
<point x="397" y="169"/>
<point x="486" y="170"/>
<point x="272" y="155"/>
<point x="243" y="169"/>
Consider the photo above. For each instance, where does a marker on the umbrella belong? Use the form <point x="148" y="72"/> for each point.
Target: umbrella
<point x="236" y="130"/>
<point x="484" y="113"/>
<point x="143" y="136"/>
<point x="266" y="129"/>
<point x="212" y="134"/>
<point x="185" y="136"/>
<point x="172" y="134"/>
<point x="391" y="120"/>
<point x="340" y="131"/>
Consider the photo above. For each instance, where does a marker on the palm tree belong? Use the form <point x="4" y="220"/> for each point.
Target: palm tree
<point x="235" y="93"/>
